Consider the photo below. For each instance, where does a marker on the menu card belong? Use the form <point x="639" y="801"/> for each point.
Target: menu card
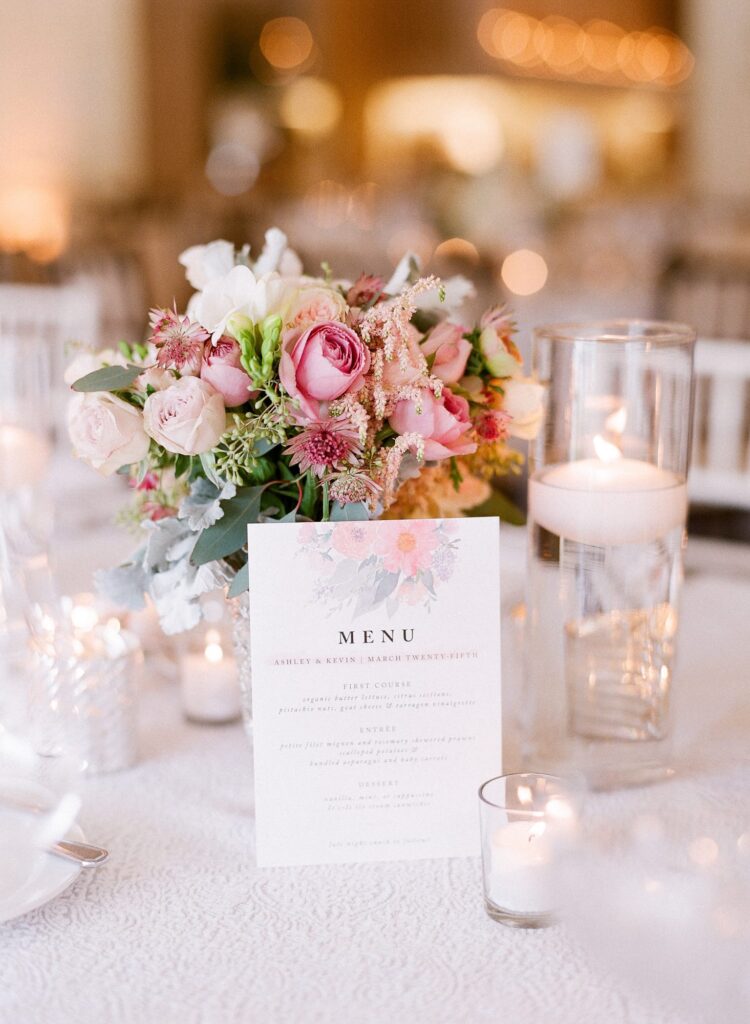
<point x="376" y="687"/>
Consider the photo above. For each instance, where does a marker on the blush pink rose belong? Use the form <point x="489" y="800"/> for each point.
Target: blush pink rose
<point x="322" y="364"/>
<point x="106" y="432"/>
<point x="451" y="350"/>
<point x="442" y="423"/>
<point x="221" y="368"/>
<point x="187" y="418"/>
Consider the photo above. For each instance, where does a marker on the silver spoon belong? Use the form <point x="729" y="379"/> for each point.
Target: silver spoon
<point x="85" y="854"/>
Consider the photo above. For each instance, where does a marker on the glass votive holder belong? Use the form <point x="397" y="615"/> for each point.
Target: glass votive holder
<point x="105" y="669"/>
<point x="526" y="819"/>
<point x="209" y="686"/>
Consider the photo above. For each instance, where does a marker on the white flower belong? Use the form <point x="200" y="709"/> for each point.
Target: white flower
<point x="237" y="294"/>
<point x="204" y="263"/>
<point x="277" y="256"/>
<point x="457" y="290"/>
<point x="523" y="400"/>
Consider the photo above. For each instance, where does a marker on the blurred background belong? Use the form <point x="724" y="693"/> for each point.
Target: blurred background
<point x="579" y="159"/>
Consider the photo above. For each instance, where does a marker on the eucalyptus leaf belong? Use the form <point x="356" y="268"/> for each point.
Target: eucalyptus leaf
<point x="109" y="378"/>
<point x="229" y="534"/>
<point x="354" y="512"/>
<point x="263" y="445"/>
<point x="240" y="583"/>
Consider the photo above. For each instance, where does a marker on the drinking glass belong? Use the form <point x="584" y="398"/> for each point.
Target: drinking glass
<point x="606" y="531"/>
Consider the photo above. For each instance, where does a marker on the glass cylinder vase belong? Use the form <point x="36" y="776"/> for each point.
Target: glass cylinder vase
<point x="607" y="510"/>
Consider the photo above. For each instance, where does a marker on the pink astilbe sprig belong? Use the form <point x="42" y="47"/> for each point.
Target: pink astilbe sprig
<point x="350" y="407"/>
<point x="327" y="445"/>
<point x="179" y="340"/>
<point x="388" y="322"/>
<point x="390" y="460"/>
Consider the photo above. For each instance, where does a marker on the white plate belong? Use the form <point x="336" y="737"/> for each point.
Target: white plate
<point x="53" y="876"/>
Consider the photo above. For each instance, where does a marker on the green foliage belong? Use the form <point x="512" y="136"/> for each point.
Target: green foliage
<point x="455" y="472"/>
<point x="240" y="583"/>
<point x="108" y="378"/>
<point x="500" y="505"/>
<point x="229" y="534"/>
<point x="354" y="512"/>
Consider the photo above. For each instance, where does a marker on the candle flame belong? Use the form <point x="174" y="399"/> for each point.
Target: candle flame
<point x="213" y="650"/>
<point x="537" y="831"/>
<point x="606" y="451"/>
<point x="617" y="421"/>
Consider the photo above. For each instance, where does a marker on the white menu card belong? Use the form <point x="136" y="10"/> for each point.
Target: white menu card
<point x="376" y="687"/>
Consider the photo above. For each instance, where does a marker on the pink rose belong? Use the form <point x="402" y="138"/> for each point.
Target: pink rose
<point x="321" y="364"/>
<point x="442" y="423"/>
<point x="105" y="431"/>
<point x="187" y="418"/>
<point x="451" y="350"/>
<point x="222" y="370"/>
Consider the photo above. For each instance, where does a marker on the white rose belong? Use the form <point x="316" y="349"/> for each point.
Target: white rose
<point x="106" y="431"/>
<point x="187" y="418"/>
<point x="313" y="304"/>
<point x="237" y="294"/>
<point x="523" y="400"/>
<point x="204" y="263"/>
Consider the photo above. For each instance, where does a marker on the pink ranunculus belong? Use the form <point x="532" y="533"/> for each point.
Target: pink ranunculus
<point x="442" y="423"/>
<point x="407" y="546"/>
<point x="451" y="350"/>
<point x="322" y="364"/>
<point x="222" y="369"/>
<point x="187" y="418"/>
<point x="106" y="432"/>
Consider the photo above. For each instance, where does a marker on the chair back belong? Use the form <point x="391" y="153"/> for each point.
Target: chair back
<point x="720" y="470"/>
<point x="39" y="326"/>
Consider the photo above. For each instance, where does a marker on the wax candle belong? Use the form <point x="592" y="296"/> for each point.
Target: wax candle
<point x="209" y="684"/>
<point x="608" y="500"/>
<point x="520" y="868"/>
<point x="24" y="456"/>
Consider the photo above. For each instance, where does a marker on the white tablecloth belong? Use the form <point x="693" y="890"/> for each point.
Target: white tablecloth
<point x="179" y="926"/>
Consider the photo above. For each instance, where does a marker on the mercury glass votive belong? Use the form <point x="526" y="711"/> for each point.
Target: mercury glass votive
<point x="607" y="510"/>
<point x="526" y="820"/>
<point x="104" y="677"/>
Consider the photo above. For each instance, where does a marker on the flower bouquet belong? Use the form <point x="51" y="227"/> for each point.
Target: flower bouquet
<point x="279" y="397"/>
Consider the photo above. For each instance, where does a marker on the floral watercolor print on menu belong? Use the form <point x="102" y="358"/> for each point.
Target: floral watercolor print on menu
<point x="360" y="567"/>
<point x="280" y="397"/>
